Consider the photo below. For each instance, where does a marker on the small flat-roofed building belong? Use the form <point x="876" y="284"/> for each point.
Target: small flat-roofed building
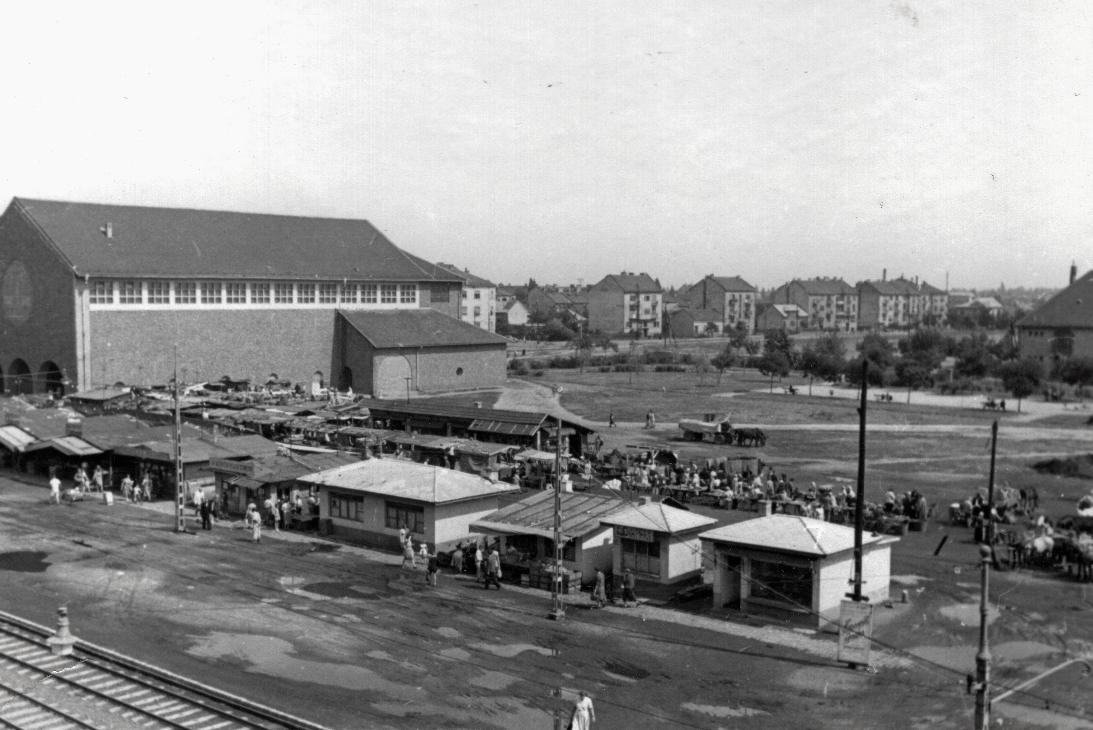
<point x="657" y="542"/>
<point x="371" y="500"/>
<point x="527" y="527"/>
<point x="795" y="564"/>
<point x="99" y="400"/>
<point x="786" y="317"/>
<point x="696" y="322"/>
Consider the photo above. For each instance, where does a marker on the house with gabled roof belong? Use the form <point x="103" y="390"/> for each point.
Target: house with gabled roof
<point x="730" y="295"/>
<point x="245" y="295"/>
<point x="830" y="303"/>
<point x="657" y="542"/>
<point x="1062" y="327"/>
<point x="627" y="304"/>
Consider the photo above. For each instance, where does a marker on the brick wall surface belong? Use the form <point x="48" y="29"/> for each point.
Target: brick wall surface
<point x="43" y="328"/>
<point x="138" y="347"/>
<point x="438" y="369"/>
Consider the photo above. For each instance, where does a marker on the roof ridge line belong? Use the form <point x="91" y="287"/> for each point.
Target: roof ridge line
<point x="21" y="208"/>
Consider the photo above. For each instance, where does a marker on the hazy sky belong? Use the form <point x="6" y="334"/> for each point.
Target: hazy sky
<point x="568" y="140"/>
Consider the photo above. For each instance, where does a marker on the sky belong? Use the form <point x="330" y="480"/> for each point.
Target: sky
<point x="565" y="141"/>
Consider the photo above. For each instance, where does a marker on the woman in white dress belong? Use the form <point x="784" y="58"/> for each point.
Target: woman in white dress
<point x="583" y="714"/>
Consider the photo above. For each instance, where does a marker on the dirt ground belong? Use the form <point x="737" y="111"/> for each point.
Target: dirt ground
<point x="345" y="637"/>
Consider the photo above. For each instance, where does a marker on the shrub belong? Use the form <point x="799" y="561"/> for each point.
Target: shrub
<point x="670" y="369"/>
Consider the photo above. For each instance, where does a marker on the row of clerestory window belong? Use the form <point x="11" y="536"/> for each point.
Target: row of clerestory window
<point x="107" y="291"/>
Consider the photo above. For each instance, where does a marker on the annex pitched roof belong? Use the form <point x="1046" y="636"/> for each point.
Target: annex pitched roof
<point x="659" y="517"/>
<point x="534" y="515"/>
<point x="417" y="328"/>
<point x="402" y="479"/>
<point x="825" y="287"/>
<point x="147" y="241"/>
<point x="791" y="534"/>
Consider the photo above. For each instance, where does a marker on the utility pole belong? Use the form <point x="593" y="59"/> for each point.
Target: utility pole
<point x="557" y="610"/>
<point x="859" y="500"/>
<point x="983" y="656"/>
<point x="180" y="492"/>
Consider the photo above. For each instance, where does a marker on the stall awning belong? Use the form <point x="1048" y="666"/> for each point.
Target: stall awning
<point x="68" y="445"/>
<point x="246" y="483"/>
<point x="503" y="427"/>
<point x="15" y="438"/>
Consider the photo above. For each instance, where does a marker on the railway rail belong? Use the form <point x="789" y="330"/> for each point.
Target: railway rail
<point x="96" y="689"/>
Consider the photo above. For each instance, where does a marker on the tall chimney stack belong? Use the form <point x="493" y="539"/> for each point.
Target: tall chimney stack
<point x="884" y="275"/>
<point x="1073" y="271"/>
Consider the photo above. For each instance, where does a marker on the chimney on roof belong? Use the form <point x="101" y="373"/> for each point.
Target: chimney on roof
<point x="1073" y="271"/>
<point x="884" y="275"/>
<point x="108" y="230"/>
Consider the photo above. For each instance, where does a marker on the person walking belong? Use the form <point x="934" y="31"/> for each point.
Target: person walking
<point x="583" y="713"/>
<point x="54" y="490"/>
<point x="206" y="515"/>
<point x="286" y="514"/>
<point x="611" y="420"/>
<point x="493" y="570"/>
<point x="198" y="499"/>
<point x="96" y="478"/>
<point x="599" y="593"/>
<point x="457" y="559"/>
<point x="628" y="583"/>
<point x="431" y="568"/>
<point x="478" y="558"/>
<point x="254" y="521"/>
<point x="127" y="487"/>
<point x="146" y="486"/>
<point x="408" y="554"/>
<point x="423" y="553"/>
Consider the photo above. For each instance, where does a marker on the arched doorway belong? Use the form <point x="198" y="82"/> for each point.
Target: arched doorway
<point x="51" y="379"/>
<point x="347" y="378"/>
<point x="20" y="380"/>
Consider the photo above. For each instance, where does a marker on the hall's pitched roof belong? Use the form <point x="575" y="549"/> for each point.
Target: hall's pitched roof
<point x="417" y="328"/>
<point x="146" y="241"/>
<point x="642" y="283"/>
<point x="401" y="479"/>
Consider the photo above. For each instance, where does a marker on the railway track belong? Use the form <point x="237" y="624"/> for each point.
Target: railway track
<point x="96" y="689"/>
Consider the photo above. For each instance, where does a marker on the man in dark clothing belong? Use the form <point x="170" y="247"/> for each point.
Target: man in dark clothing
<point x="431" y="570"/>
<point x="206" y="515"/>
<point x="457" y="559"/>
<point x="628" y="588"/>
<point x="493" y="569"/>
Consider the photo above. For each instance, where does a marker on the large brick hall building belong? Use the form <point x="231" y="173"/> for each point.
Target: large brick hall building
<point x="96" y="294"/>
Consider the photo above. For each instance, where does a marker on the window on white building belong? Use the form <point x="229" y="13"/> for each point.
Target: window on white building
<point x="185" y="292"/>
<point x="159" y="292"/>
<point x="368" y="294"/>
<point x="389" y="293"/>
<point x="131" y="293"/>
<point x="282" y="293"/>
<point x="349" y="294"/>
<point x="408" y="293"/>
<point x="477" y="294"/>
<point x="259" y="293"/>
<point x="305" y="294"/>
<point x="328" y="293"/>
<point x="235" y="292"/>
<point x="102" y="292"/>
<point x="210" y="292"/>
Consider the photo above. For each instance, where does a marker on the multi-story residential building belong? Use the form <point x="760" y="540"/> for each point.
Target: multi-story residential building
<point x="730" y="295"/>
<point x="830" y="304"/>
<point x="479" y="299"/>
<point x="630" y="304"/>
<point x="900" y="303"/>
<point x="95" y="294"/>
<point x="935" y="305"/>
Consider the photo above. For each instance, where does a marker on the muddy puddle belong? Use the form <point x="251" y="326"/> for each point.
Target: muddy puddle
<point x="508" y="651"/>
<point x="967" y="613"/>
<point x="625" y="670"/>
<point x="721" y="711"/>
<point x="275" y="657"/>
<point x="24" y="561"/>
<point x="338" y="590"/>
<point x="962" y="658"/>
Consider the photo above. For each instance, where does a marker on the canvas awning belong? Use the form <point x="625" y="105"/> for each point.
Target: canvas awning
<point x="15" y="438"/>
<point x="504" y="427"/>
<point x="68" y="445"/>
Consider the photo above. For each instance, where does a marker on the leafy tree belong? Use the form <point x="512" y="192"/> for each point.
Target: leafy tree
<point x="1076" y="371"/>
<point x="603" y="341"/>
<point x="926" y="346"/>
<point x="738" y="335"/>
<point x="723" y="361"/>
<point x="772" y="364"/>
<point x="1021" y="378"/>
<point x="973" y="357"/>
<point x="558" y="332"/>
<point x="878" y="350"/>
<point x="824" y="358"/>
<point x="702" y="366"/>
<point x="777" y="341"/>
<point x="913" y="374"/>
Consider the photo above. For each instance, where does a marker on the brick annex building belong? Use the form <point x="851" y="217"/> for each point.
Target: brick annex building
<point x="97" y="294"/>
